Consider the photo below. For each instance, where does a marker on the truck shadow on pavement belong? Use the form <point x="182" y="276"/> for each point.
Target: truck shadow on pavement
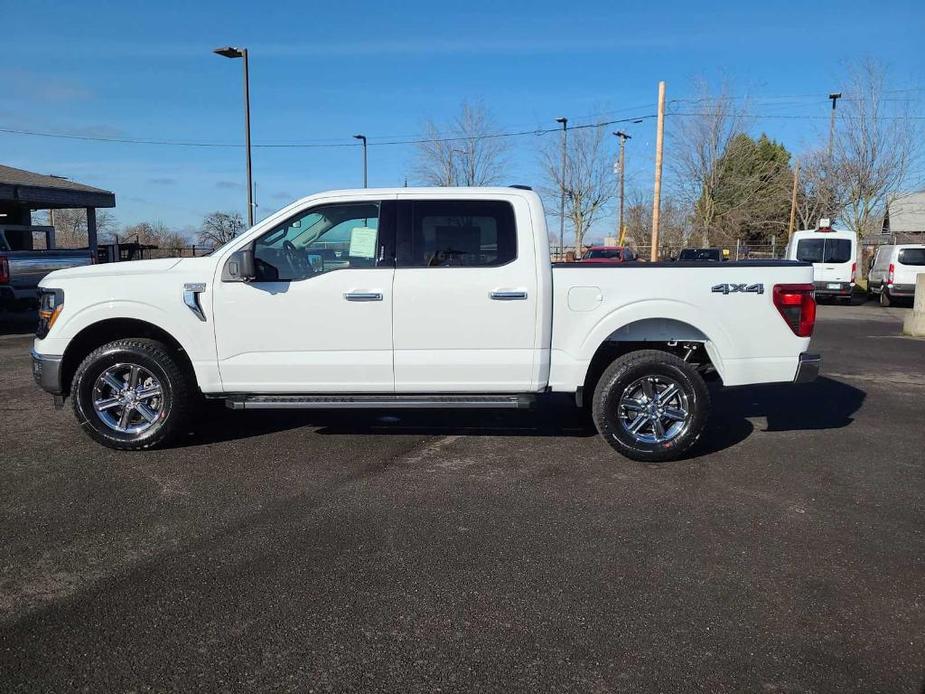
<point x="823" y="404"/>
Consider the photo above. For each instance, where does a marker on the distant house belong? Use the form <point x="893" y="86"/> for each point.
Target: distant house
<point x="905" y="217"/>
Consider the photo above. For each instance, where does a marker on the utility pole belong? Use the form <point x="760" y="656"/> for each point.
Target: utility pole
<point x="564" y="121"/>
<point x="657" y="192"/>
<point x="793" y="199"/>
<point x="365" y="169"/>
<point x="622" y="164"/>
<point x="834" y="96"/>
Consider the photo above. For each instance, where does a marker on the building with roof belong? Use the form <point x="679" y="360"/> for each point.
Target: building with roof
<point x="22" y="192"/>
<point x="905" y="217"/>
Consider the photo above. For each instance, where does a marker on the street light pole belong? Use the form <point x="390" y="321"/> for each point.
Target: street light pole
<point x="623" y="138"/>
<point x="365" y="169"/>
<point x="564" y="121"/>
<point x="232" y="52"/>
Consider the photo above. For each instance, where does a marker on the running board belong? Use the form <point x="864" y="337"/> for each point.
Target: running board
<point x="331" y="402"/>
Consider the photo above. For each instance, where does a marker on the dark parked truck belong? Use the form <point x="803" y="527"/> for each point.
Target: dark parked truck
<point x="21" y="268"/>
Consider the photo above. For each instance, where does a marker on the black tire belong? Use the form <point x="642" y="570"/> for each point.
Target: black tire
<point x="625" y="373"/>
<point x="158" y="360"/>
<point x="885" y="298"/>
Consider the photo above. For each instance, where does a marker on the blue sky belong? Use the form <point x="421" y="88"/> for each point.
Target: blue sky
<point x="321" y="72"/>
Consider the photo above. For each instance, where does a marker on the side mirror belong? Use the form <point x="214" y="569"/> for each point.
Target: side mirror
<point x="240" y="266"/>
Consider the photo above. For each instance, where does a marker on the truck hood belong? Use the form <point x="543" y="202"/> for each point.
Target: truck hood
<point x="125" y="269"/>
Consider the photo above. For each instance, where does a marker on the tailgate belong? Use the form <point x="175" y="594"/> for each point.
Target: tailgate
<point x="27" y="268"/>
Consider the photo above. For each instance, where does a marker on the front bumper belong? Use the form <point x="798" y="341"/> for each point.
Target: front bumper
<point x="46" y="370"/>
<point x="833" y="288"/>
<point x="808" y="368"/>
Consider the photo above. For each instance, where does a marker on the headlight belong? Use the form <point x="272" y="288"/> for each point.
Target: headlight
<point x="51" y="301"/>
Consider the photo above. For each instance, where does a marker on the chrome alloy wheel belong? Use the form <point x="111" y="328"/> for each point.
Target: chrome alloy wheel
<point x="128" y="398"/>
<point x="654" y="409"/>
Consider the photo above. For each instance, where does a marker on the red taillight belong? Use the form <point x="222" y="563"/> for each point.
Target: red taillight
<point x="4" y="270"/>
<point x="889" y="277"/>
<point x="797" y="306"/>
<point x="854" y="271"/>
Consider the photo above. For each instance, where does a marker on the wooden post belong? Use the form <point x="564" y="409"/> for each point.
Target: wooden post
<point x="656" y="193"/>
<point x="91" y="229"/>
<point x="793" y="199"/>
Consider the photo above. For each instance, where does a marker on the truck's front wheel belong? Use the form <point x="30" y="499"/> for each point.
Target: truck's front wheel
<point x="650" y="406"/>
<point x="131" y="394"/>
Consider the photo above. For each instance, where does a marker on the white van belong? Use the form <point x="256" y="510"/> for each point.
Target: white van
<point x="893" y="271"/>
<point x="833" y="255"/>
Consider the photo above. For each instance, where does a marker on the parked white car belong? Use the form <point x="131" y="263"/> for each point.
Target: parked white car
<point x="833" y="255"/>
<point x="893" y="271"/>
<point x="417" y="298"/>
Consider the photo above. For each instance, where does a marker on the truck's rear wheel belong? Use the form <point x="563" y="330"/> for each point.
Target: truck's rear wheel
<point x="885" y="298"/>
<point x="650" y="406"/>
<point x="131" y="394"/>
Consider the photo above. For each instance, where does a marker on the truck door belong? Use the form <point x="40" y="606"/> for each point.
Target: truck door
<point x="465" y="293"/>
<point x="318" y="316"/>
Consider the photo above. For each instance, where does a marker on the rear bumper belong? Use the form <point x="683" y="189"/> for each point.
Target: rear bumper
<point x="900" y="289"/>
<point x="46" y="370"/>
<point x="833" y="288"/>
<point x="16" y="297"/>
<point x="808" y="368"/>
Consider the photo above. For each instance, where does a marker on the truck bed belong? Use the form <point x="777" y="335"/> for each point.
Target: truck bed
<point x="727" y="306"/>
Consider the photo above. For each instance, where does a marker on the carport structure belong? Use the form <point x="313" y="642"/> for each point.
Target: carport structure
<point x="22" y="191"/>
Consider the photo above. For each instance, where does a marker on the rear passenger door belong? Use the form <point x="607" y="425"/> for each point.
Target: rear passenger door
<point x="465" y="297"/>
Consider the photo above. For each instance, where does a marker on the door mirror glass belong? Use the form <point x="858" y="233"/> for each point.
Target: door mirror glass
<point x="240" y="266"/>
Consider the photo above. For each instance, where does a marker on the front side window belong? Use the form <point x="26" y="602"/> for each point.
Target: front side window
<point x="319" y="240"/>
<point x="456" y="233"/>
<point x="912" y="256"/>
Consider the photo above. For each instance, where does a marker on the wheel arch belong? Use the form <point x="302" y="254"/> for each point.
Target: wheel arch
<point x="669" y="335"/>
<point x="101" y="332"/>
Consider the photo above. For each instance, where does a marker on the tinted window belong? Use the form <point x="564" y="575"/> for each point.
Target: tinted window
<point x="607" y="253"/>
<point x="456" y="233"/>
<point x="711" y="254"/>
<point x="912" y="256"/>
<point x="319" y="240"/>
<point x="824" y="250"/>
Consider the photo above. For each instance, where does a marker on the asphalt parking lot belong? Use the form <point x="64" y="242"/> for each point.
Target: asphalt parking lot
<point x="479" y="551"/>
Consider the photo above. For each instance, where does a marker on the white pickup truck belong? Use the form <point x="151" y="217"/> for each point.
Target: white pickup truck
<point x="416" y="298"/>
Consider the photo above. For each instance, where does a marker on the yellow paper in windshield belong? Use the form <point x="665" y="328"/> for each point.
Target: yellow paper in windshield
<point x="362" y="243"/>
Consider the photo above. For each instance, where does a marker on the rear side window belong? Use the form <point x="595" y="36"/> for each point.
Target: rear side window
<point x="824" y="250"/>
<point x="912" y="256"/>
<point x="456" y="233"/>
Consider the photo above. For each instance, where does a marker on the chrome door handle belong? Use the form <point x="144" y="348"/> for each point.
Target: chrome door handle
<point x="363" y="296"/>
<point x="508" y="295"/>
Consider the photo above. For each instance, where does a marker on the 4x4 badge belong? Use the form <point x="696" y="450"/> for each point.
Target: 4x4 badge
<point x="738" y="288"/>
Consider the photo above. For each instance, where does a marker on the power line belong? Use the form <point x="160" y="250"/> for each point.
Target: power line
<point x="314" y="145"/>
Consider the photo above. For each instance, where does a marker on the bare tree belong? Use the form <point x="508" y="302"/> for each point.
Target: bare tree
<point x="71" y="226"/>
<point x="155" y="234"/>
<point x="820" y="188"/>
<point x="698" y="141"/>
<point x="674" y="223"/>
<point x="589" y="181"/>
<point x="875" y="145"/>
<point x="219" y="228"/>
<point x="464" y="152"/>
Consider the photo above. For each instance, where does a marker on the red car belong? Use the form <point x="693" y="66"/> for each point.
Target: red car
<point x="608" y="254"/>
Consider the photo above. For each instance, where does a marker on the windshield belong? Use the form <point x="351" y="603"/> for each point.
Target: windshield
<point x="610" y="253"/>
<point x="912" y="256"/>
<point x="824" y="250"/>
